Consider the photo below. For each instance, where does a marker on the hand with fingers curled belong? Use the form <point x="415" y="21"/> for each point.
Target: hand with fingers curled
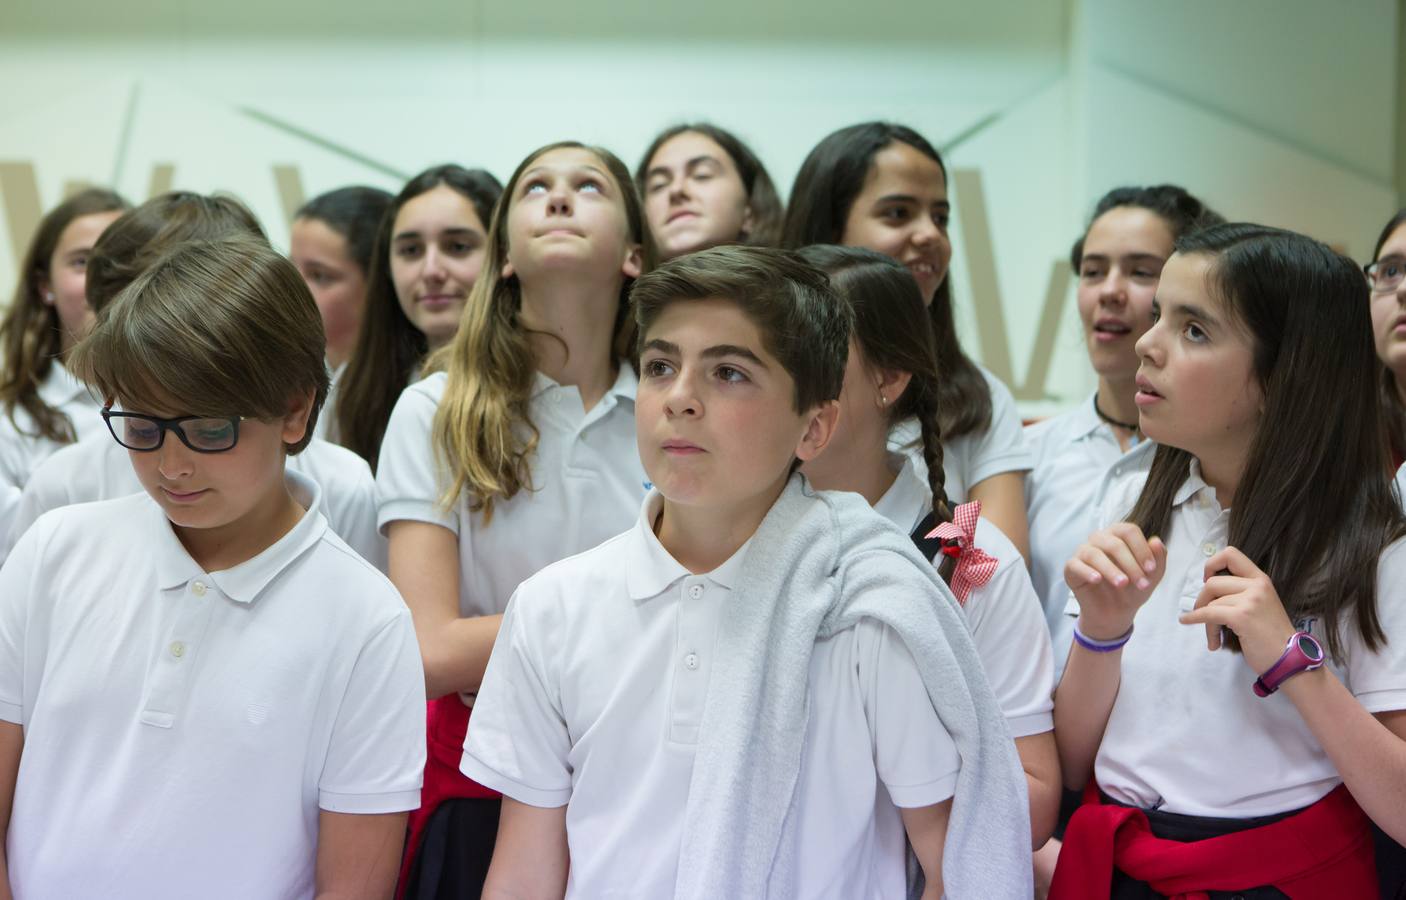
<point x="1237" y="595"/>
<point x="1112" y="575"/>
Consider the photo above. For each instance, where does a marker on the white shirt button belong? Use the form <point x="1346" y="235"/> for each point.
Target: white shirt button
<point x="1208" y="548"/>
<point x="691" y="661"/>
<point x="178" y="649"/>
<point x="197" y="588"/>
<point x="695" y="591"/>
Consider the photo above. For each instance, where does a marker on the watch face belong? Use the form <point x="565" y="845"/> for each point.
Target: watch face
<point x="1310" y="648"/>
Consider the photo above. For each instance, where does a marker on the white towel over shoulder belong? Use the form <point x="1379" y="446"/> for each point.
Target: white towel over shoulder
<point x="818" y="564"/>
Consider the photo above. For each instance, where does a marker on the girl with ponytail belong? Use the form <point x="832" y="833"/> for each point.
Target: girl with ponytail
<point x="891" y="377"/>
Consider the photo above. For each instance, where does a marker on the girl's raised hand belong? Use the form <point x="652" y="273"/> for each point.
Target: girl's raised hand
<point x="1112" y="575"/>
<point x="1238" y="596"/>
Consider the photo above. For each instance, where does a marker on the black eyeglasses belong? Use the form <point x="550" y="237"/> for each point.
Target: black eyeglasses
<point x="203" y="434"/>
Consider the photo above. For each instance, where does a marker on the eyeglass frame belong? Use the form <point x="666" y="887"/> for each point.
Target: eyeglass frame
<point x="1369" y="271"/>
<point x="172" y="425"/>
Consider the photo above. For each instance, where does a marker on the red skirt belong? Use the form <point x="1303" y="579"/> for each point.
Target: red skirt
<point x="447" y="723"/>
<point x="1323" y="851"/>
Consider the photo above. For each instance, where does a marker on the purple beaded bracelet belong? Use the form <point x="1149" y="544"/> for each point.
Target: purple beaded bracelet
<point x="1094" y="646"/>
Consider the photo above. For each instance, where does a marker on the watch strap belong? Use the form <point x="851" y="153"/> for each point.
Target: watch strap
<point x="1288" y="665"/>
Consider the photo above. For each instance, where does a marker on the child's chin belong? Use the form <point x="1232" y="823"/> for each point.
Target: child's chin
<point x="683" y="491"/>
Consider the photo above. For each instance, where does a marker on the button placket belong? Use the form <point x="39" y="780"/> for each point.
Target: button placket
<point x="690" y="676"/>
<point x="168" y="678"/>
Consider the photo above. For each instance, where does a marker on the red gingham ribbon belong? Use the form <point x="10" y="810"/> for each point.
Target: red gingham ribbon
<point x="974" y="566"/>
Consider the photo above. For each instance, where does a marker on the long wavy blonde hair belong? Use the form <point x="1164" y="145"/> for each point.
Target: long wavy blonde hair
<point x="483" y="430"/>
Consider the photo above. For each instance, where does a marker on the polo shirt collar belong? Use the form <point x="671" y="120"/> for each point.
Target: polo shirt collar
<point x="245" y="582"/>
<point x="1084" y="420"/>
<point x="908" y="499"/>
<point x="650" y="570"/>
<point x="1193" y="485"/>
<point x="59" y="386"/>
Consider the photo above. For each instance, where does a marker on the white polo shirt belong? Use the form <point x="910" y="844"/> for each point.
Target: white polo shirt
<point x="586" y="475"/>
<point x="1003" y="614"/>
<point x="1401" y="484"/>
<point x="973" y="457"/>
<point x="1187" y="734"/>
<point x="594" y="697"/>
<point x="184" y="728"/>
<point x="98" y="468"/>
<point x="21" y="450"/>
<point x="1076" y="454"/>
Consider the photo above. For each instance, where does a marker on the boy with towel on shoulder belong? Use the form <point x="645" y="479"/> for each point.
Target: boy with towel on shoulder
<point x="759" y="690"/>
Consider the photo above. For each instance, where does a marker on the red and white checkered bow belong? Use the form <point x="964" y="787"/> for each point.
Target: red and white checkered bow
<point x="974" y="566"/>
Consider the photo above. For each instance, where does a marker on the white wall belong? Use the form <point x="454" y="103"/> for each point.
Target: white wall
<point x="1277" y="110"/>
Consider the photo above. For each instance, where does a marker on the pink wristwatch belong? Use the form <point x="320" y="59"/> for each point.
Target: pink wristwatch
<point x="1303" y="653"/>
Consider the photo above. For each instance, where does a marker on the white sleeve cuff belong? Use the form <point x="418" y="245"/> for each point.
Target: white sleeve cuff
<point x="416" y="511"/>
<point x="492" y="778"/>
<point x="1031" y="724"/>
<point x="369" y="804"/>
<point x="915" y="796"/>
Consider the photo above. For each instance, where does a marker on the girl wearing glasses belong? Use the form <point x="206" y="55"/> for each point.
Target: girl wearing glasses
<point x="1387" y="274"/>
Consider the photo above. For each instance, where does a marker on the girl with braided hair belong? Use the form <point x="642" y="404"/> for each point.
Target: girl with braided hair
<point x="891" y="377"/>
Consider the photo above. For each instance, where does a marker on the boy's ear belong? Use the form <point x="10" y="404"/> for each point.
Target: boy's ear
<point x="295" y="421"/>
<point x="819" y="430"/>
<point x="634" y="262"/>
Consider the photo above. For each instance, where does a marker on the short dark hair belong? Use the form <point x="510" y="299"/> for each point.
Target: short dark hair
<point x="354" y="213"/>
<point x="1182" y="212"/>
<point x="223" y="327"/>
<point x="762" y="198"/>
<point x="138" y="237"/>
<point x="804" y="324"/>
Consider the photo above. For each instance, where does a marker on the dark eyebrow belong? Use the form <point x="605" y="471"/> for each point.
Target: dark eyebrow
<point x="1104" y="257"/>
<point x="586" y="166"/>
<point x="721" y="350"/>
<point x="1185" y="311"/>
<point x="715" y="352"/>
<point x="453" y="232"/>
<point x="907" y="198"/>
<point x="688" y="165"/>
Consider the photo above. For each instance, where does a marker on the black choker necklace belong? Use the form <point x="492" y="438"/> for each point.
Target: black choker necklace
<point x="1134" y="427"/>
